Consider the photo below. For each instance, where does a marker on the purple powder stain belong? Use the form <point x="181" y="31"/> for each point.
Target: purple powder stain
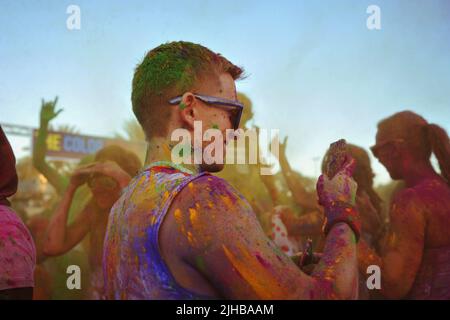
<point x="263" y="262"/>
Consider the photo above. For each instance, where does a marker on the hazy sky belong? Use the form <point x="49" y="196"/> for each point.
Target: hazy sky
<point x="315" y="71"/>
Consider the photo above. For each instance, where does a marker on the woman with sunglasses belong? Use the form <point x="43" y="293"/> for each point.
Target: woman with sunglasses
<point x="415" y="257"/>
<point x="106" y="177"/>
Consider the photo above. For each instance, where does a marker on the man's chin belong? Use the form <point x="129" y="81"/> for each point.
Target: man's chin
<point x="214" y="167"/>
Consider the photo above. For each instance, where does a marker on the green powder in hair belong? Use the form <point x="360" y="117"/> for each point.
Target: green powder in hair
<point x="171" y="65"/>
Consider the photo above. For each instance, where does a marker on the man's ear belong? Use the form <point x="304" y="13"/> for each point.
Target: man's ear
<point x="187" y="110"/>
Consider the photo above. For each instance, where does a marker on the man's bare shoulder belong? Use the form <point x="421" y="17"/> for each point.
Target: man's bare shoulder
<point x="213" y="192"/>
<point x="209" y="208"/>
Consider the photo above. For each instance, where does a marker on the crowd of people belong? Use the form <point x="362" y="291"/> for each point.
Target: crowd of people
<point x="160" y="230"/>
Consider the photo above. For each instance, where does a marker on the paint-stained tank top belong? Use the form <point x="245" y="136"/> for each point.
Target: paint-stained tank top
<point x="132" y="263"/>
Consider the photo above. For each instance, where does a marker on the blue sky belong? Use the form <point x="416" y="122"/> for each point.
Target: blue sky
<point x="315" y="71"/>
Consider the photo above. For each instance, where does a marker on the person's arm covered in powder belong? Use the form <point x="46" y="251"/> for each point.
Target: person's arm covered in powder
<point x="58" y="181"/>
<point x="61" y="238"/>
<point x="219" y="235"/>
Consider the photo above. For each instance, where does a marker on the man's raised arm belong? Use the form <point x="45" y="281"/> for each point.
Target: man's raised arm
<point x="228" y="246"/>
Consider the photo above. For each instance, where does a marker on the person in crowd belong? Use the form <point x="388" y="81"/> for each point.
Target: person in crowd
<point x="17" y="250"/>
<point x="415" y="257"/>
<point x="178" y="232"/>
<point x="106" y="177"/>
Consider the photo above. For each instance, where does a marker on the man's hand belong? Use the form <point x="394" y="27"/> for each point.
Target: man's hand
<point x="342" y="188"/>
<point x="48" y="111"/>
<point x="107" y="168"/>
<point x="81" y="175"/>
<point x="337" y="196"/>
<point x="113" y="170"/>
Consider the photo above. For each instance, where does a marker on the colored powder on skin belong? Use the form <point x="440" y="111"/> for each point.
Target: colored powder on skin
<point x="200" y="263"/>
<point x="353" y="238"/>
<point x="167" y="149"/>
<point x="179" y="220"/>
<point x="190" y="238"/>
<point x="261" y="260"/>
<point x="182" y="106"/>
<point x="178" y="216"/>
<point x="227" y="201"/>
<point x="215" y="126"/>
<point x="198" y="226"/>
<point x="193" y="217"/>
<point x="258" y="277"/>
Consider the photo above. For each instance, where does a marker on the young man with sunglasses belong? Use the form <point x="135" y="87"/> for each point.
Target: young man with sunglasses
<point x="178" y="232"/>
<point x="106" y="177"/>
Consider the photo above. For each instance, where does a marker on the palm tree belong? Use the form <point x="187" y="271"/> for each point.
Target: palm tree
<point x="133" y="131"/>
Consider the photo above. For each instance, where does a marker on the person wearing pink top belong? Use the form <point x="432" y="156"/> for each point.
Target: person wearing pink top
<point x="17" y="251"/>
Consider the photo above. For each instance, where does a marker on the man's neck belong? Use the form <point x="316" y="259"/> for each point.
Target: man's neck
<point x="160" y="149"/>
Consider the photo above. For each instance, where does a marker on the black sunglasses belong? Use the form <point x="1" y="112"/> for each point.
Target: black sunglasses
<point x="218" y="102"/>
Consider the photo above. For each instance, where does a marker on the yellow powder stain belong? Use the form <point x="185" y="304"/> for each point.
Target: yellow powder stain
<point x="166" y="149"/>
<point x="259" y="278"/>
<point x="190" y="238"/>
<point x="210" y="204"/>
<point x="193" y="217"/>
<point x="178" y="216"/>
<point x="140" y="189"/>
<point x="198" y="226"/>
<point x="136" y="260"/>
<point x="227" y="201"/>
<point x="152" y="220"/>
<point x="179" y="220"/>
<point x="191" y="186"/>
